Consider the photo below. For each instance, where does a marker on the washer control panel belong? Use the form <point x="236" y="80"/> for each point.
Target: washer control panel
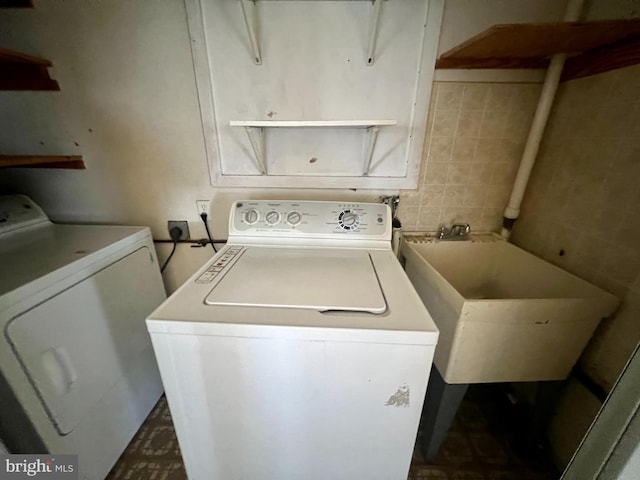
<point x="221" y="264"/>
<point x="317" y="219"/>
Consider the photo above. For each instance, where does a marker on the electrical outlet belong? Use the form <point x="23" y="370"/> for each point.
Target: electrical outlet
<point x="203" y="206"/>
<point x="183" y="225"/>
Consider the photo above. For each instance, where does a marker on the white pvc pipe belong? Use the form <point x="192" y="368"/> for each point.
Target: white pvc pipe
<point x="573" y="10"/>
<point x="549" y="89"/>
<point x="535" y="134"/>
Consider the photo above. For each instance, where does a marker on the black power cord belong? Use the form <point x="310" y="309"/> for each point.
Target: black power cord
<point x="175" y="234"/>
<point x="203" y="216"/>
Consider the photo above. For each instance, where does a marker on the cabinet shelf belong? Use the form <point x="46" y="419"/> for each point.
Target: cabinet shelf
<point x="256" y="140"/>
<point x="19" y="71"/>
<point x="16" y="4"/>
<point x="42" y="161"/>
<point x="312" y="123"/>
<point x="530" y="45"/>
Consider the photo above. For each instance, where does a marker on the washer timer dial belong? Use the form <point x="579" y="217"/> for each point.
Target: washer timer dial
<point x="251" y="216"/>
<point x="348" y="220"/>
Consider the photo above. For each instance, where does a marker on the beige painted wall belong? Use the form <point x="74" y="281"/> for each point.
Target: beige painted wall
<point x="581" y="211"/>
<point x="129" y="105"/>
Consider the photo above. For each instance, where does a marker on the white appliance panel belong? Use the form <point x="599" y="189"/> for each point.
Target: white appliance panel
<point x="46" y="251"/>
<point x="18" y="212"/>
<point x="272" y="408"/>
<point x="288" y="391"/>
<point x="317" y="279"/>
<point x="78" y="371"/>
<point x="341" y="220"/>
<point x="75" y="346"/>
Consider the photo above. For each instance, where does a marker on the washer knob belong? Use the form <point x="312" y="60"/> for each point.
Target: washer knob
<point x="294" y="218"/>
<point x="272" y="217"/>
<point x="348" y="220"/>
<point x="250" y="216"/>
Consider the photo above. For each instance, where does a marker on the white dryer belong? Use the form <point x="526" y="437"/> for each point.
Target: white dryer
<point x="300" y="350"/>
<point x="77" y="370"/>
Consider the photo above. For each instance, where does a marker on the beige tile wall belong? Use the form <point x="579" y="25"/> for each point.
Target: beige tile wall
<point x="584" y="200"/>
<point x="475" y="136"/>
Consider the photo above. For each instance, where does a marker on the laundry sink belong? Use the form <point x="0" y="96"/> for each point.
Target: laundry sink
<point x="504" y="315"/>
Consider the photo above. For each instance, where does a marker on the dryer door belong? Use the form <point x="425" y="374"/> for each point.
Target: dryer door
<point x="75" y="346"/>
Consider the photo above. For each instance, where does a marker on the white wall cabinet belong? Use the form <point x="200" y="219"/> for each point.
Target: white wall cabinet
<point x="288" y="90"/>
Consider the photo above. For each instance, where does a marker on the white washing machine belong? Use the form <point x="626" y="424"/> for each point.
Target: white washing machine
<point x="77" y="370"/>
<point x="300" y="351"/>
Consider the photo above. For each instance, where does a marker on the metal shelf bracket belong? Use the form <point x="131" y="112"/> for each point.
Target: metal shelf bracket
<point x="256" y="133"/>
<point x="374" y="16"/>
<point x="372" y="133"/>
<point x="249" y="23"/>
<point x="256" y="139"/>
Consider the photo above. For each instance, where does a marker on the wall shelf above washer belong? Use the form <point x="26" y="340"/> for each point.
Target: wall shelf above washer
<point x="530" y="45"/>
<point x="312" y="123"/>
<point x="317" y="113"/>
<point x="256" y="140"/>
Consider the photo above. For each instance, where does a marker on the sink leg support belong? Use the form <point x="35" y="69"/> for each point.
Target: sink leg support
<point x="546" y="400"/>
<point x="440" y="406"/>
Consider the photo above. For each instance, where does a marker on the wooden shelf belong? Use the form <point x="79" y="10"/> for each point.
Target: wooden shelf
<point x="529" y="45"/>
<point x="42" y="161"/>
<point x="16" y="4"/>
<point x="600" y="60"/>
<point x="24" y="72"/>
<point x="311" y="123"/>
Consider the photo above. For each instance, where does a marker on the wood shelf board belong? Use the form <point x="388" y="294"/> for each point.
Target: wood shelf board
<point x="19" y="71"/>
<point x="23" y="76"/>
<point x="541" y="40"/>
<point x="311" y="123"/>
<point x="42" y="161"/>
<point x="611" y="57"/>
<point x="16" y="4"/>
<point x="483" y="63"/>
<point x="12" y="56"/>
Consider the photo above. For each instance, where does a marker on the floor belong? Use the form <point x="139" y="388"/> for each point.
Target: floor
<point x="481" y="445"/>
<point x="485" y="443"/>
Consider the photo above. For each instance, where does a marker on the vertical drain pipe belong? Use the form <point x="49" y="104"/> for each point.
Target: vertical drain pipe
<point x="549" y="89"/>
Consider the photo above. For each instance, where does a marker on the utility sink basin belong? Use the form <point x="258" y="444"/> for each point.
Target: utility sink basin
<point x="504" y="315"/>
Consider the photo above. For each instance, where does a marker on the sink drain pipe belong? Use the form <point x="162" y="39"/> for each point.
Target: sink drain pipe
<point x="549" y="89"/>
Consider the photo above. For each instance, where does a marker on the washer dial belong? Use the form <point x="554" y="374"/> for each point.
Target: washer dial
<point x="348" y="220"/>
<point x="294" y="218"/>
<point x="251" y="216"/>
<point x="272" y="217"/>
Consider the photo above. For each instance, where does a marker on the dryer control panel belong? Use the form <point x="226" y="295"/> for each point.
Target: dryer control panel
<point x="310" y="219"/>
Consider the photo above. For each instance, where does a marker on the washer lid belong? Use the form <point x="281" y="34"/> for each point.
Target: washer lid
<point x="315" y="279"/>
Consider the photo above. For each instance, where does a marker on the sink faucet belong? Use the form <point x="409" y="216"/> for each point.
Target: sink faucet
<point x="458" y="231"/>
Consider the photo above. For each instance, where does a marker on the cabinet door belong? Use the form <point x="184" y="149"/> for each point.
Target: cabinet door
<point x="75" y="346"/>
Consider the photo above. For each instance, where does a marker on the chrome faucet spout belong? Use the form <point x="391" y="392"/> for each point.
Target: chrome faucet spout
<point x="461" y="229"/>
<point x="458" y="231"/>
